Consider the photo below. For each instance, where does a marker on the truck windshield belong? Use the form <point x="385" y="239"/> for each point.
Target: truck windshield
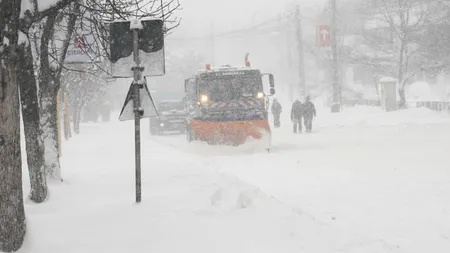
<point x="229" y="88"/>
<point x="177" y="106"/>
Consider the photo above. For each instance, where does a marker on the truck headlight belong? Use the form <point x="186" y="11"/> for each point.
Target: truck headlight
<point x="203" y="98"/>
<point x="260" y="95"/>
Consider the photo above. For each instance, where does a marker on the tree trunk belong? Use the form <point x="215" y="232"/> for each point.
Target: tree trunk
<point x="48" y="91"/>
<point x="32" y="127"/>
<point x="49" y="123"/>
<point x="12" y="213"/>
<point x="67" y="127"/>
<point x="401" y="70"/>
<point x="76" y="118"/>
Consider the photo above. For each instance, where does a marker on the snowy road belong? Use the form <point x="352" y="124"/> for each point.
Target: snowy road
<point x="383" y="180"/>
<point x="365" y="181"/>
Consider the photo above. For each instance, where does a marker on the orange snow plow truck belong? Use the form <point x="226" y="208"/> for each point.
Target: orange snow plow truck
<point x="227" y="105"/>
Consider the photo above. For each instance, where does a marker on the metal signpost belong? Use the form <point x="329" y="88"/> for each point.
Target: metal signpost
<point x="138" y="112"/>
<point x="336" y="106"/>
<point x="142" y="103"/>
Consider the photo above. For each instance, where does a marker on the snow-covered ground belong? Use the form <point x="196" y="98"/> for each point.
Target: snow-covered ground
<point x="423" y="91"/>
<point x="364" y="181"/>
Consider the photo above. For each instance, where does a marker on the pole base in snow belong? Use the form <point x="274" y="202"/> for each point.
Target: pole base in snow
<point x="335" y="108"/>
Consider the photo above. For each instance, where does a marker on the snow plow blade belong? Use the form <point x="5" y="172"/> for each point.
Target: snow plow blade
<point x="230" y="132"/>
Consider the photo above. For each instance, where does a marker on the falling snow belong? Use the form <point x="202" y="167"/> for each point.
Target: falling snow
<point x="264" y="126"/>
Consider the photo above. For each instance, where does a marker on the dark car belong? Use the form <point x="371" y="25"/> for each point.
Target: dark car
<point x="172" y="118"/>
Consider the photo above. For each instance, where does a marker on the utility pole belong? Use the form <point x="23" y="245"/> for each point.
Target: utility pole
<point x="336" y="106"/>
<point x="301" y="64"/>
<point x="212" y="44"/>
<point x="282" y="50"/>
<point x="286" y="28"/>
<point x="284" y="55"/>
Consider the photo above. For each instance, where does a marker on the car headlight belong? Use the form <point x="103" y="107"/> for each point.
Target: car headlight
<point x="260" y="95"/>
<point x="162" y="124"/>
<point x="203" y="98"/>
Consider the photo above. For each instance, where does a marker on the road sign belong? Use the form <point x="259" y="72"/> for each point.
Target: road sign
<point x="150" y="44"/>
<point x="79" y="42"/>
<point x="323" y="36"/>
<point x="148" y="108"/>
<point x="137" y="50"/>
<point x="82" y="49"/>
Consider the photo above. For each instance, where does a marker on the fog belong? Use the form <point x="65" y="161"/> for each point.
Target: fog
<point x="333" y="136"/>
<point x="203" y="19"/>
<point x="233" y="14"/>
<point x="222" y="32"/>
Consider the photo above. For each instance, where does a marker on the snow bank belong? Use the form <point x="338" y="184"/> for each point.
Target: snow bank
<point x="443" y="90"/>
<point x="366" y="116"/>
<point x="376" y="117"/>
<point x="364" y="91"/>
<point x="421" y="91"/>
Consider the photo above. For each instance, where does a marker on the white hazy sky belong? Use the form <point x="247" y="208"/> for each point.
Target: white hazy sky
<point x="198" y="15"/>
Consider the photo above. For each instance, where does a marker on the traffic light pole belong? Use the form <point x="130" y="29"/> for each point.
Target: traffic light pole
<point x="138" y="111"/>
<point x="336" y="106"/>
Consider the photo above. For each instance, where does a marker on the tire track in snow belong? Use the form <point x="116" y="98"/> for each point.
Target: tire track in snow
<point x="359" y="243"/>
<point x="216" y="167"/>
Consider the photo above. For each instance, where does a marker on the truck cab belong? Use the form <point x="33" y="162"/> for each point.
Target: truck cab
<point x="227" y="105"/>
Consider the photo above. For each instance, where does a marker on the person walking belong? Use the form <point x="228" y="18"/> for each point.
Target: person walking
<point x="309" y="112"/>
<point x="296" y="116"/>
<point x="276" y="111"/>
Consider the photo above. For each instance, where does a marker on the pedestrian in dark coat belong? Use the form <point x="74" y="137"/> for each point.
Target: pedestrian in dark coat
<point x="276" y="111"/>
<point x="309" y="112"/>
<point x="296" y="115"/>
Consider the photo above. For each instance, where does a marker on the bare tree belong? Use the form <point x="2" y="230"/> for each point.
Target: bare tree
<point x="31" y="122"/>
<point x="12" y="213"/>
<point x="57" y="32"/>
<point x="96" y="16"/>
<point x="54" y="24"/>
<point x="54" y="41"/>
<point x="435" y="48"/>
<point x="83" y="87"/>
<point x="397" y="32"/>
<point x="28" y="84"/>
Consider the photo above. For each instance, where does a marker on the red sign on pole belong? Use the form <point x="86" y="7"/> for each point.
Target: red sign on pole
<point x="323" y="36"/>
<point x="79" y="42"/>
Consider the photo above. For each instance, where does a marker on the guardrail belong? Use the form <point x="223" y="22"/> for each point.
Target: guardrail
<point x="365" y="102"/>
<point x="439" y="106"/>
<point x="433" y="105"/>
